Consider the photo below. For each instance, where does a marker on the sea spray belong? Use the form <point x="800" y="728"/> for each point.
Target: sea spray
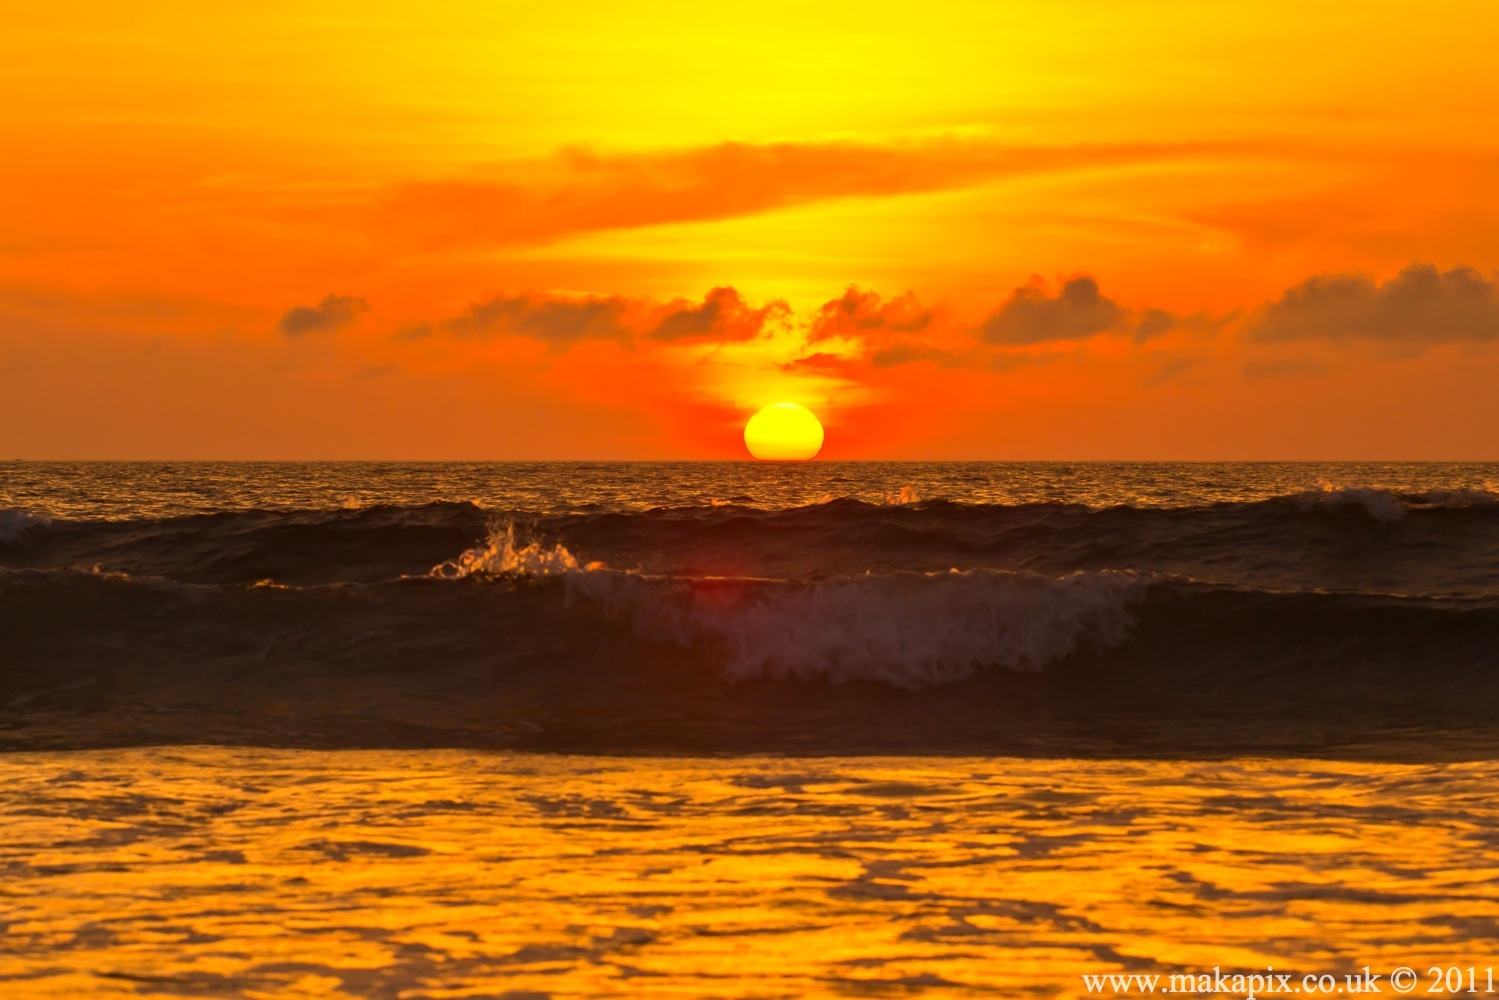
<point x="502" y="556"/>
<point x="911" y="630"/>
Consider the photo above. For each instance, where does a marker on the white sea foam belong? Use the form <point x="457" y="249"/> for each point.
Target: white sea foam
<point x="1382" y="505"/>
<point x="1487" y="496"/>
<point x="909" y="629"/>
<point x="16" y="523"/>
<point x="1389" y="505"/>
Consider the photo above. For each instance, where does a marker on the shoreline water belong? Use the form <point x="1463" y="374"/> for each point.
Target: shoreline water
<point x="216" y="871"/>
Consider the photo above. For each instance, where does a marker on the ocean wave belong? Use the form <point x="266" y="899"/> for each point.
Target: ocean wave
<point x="1390" y="505"/>
<point x="906" y="629"/>
<point x="18" y="525"/>
<point x="911" y="630"/>
<point x="1434" y="543"/>
<point x="501" y="555"/>
<point x="597" y="659"/>
<point x="1382" y="505"/>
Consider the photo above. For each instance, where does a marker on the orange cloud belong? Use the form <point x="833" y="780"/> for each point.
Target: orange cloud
<point x="577" y="191"/>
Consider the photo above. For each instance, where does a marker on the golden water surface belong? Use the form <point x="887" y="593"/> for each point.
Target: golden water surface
<point x="208" y="872"/>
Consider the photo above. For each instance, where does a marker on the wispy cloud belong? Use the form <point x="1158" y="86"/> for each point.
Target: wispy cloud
<point x="577" y="190"/>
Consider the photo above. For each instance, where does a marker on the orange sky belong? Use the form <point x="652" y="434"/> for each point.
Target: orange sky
<point x="603" y="230"/>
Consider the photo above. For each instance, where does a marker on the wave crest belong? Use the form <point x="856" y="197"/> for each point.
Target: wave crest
<point x="1389" y="505"/>
<point x="908" y="629"/>
<point x="502" y="555"/>
<point x="17" y="525"/>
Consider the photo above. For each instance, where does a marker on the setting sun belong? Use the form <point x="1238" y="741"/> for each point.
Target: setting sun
<point x="783" y="432"/>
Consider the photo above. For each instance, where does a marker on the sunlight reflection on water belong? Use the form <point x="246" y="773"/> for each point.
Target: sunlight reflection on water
<point x="249" y="873"/>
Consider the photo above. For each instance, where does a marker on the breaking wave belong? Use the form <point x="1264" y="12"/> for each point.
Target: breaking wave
<point x="501" y="556"/>
<point x="1392" y="505"/>
<point x="18" y="525"/>
<point x="916" y="623"/>
<point x="907" y="629"/>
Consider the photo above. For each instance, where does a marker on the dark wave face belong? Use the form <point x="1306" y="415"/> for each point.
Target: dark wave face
<point x="1356" y="618"/>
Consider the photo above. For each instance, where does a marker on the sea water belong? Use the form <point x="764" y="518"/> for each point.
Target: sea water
<point x="723" y="729"/>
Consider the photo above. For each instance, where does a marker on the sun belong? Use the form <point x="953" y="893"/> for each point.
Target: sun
<point x="783" y="432"/>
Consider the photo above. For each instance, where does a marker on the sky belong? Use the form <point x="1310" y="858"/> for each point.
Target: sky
<point x="454" y="230"/>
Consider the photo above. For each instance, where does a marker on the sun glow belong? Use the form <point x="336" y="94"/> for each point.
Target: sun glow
<point x="783" y="432"/>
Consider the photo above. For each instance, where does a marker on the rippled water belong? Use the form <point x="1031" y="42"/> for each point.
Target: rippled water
<point x="162" y="489"/>
<point x="201" y="872"/>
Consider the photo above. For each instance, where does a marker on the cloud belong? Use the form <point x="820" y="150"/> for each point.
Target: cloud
<point x="1031" y="316"/>
<point x="556" y="320"/>
<point x="864" y="314"/>
<point x="333" y="312"/>
<point x="909" y="352"/>
<point x="1421" y="305"/>
<point x="902" y="331"/>
<point x="723" y="315"/>
<point x="561" y="321"/>
<point x="1154" y="323"/>
<point x="578" y="190"/>
<point x="822" y="361"/>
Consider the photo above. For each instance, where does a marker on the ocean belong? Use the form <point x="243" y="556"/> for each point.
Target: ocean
<point x="742" y="730"/>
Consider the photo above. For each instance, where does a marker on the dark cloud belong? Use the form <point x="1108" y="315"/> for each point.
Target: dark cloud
<point x="908" y="353"/>
<point x="1031" y="316"/>
<point x="333" y="312"/>
<point x="1421" y="305"/>
<point x="865" y="314"/>
<point x="555" y="320"/>
<point x="820" y="361"/>
<point x="722" y="315"/>
<point x="561" y="321"/>
<point x="1154" y="323"/>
